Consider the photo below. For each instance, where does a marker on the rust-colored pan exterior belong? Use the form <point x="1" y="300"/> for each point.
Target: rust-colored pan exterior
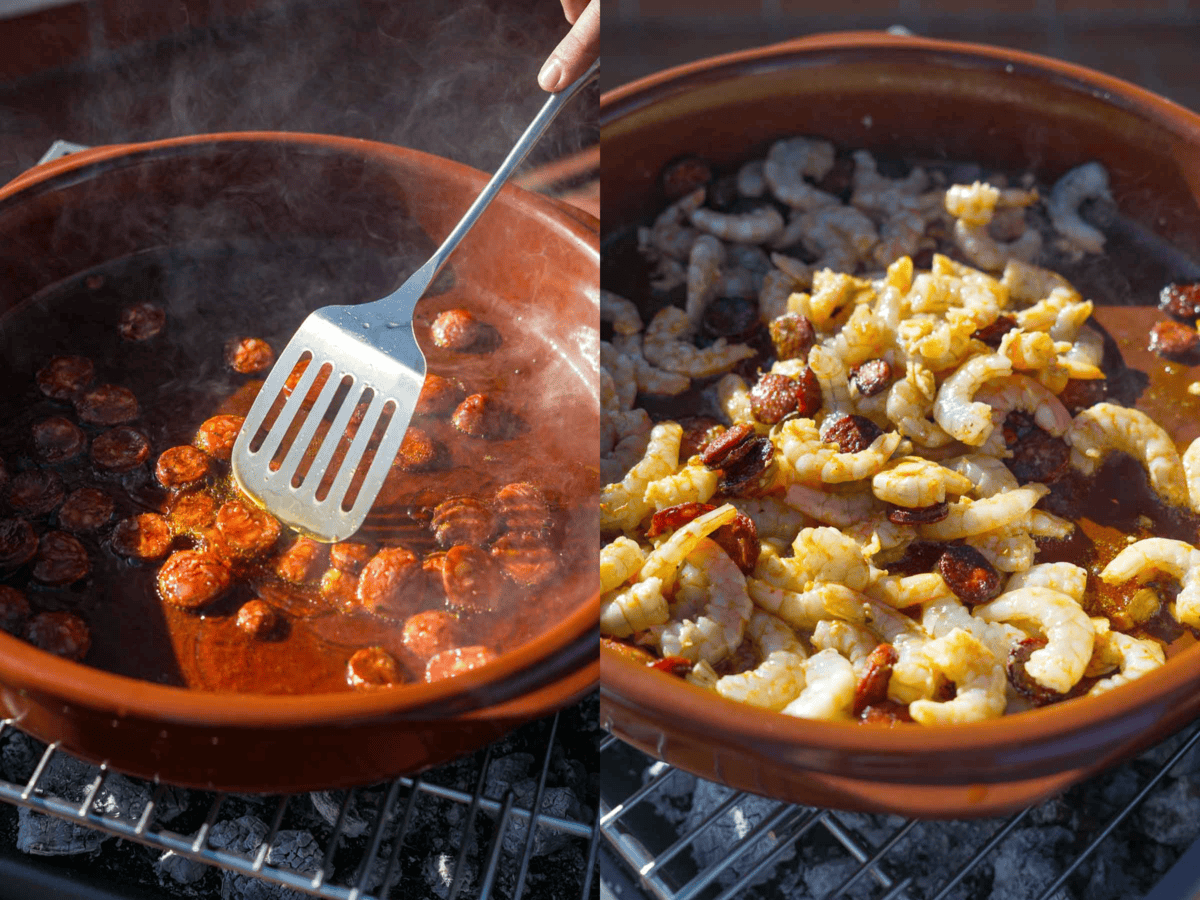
<point x="81" y="211"/>
<point x="921" y="99"/>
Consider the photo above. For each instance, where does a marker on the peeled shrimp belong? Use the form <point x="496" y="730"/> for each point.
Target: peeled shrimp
<point x="1191" y="471"/>
<point x="668" y="556"/>
<point x="909" y="402"/>
<point x="1088" y="181"/>
<point x="665" y="346"/>
<point x="669" y="235"/>
<point x="828" y="692"/>
<point x="733" y="397"/>
<point x="915" y="482"/>
<point x="623" y="505"/>
<point x="1009" y="549"/>
<point x="691" y="484"/>
<point x="773" y="519"/>
<point x="1064" y="577"/>
<point x="1027" y="283"/>
<point x="619" y="561"/>
<point x="989" y="475"/>
<point x="978" y="676"/>
<point x="788" y="161"/>
<point x="1020" y="392"/>
<point x="851" y="640"/>
<point x="750" y="181"/>
<point x="779" y="678"/>
<point x="839" y="236"/>
<point x="756" y="227"/>
<point x="969" y="517"/>
<point x="703" y="275"/>
<point x="622" y="313"/>
<point x="804" y="609"/>
<point x="711" y="582"/>
<point x="955" y="409"/>
<point x="773" y="296"/>
<point x="1135" y="657"/>
<point x="633" y="609"/>
<point x="839" y="510"/>
<point x="812" y="461"/>
<point x="1105" y="427"/>
<point x="1068" y="631"/>
<point x="1143" y="559"/>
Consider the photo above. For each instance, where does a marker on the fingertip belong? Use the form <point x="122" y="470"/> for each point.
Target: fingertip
<point x="551" y="76"/>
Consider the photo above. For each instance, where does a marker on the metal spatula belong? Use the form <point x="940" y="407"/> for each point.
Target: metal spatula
<point x="372" y="348"/>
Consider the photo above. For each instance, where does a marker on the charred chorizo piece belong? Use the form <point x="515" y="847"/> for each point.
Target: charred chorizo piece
<point x="522" y="507"/>
<point x="63" y="377"/>
<point x="449" y="663"/>
<point x="373" y="667"/>
<point x="852" y="434"/>
<point x="192" y="579"/>
<point x="14" y="609"/>
<point x="85" y="510"/>
<point x="1176" y="342"/>
<point x="430" y="632"/>
<point x="922" y="515"/>
<point x="775" y="397"/>
<point x="457" y="329"/>
<point x="439" y="396"/>
<point x="194" y="511"/>
<point x="18" y="543"/>
<point x="246" y="530"/>
<point x="60" y="559"/>
<point x="793" y="336"/>
<point x="144" y="536"/>
<point x="217" y="435"/>
<point x="257" y="619"/>
<point x="471" y="579"/>
<point x="302" y="562"/>
<point x="968" y="574"/>
<point x="61" y="633"/>
<point x="682" y="176"/>
<point x="418" y="452"/>
<point x="180" y="466"/>
<point x="142" y="321"/>
<point x="107" y="405"/>
<point x="120" y="449"/>
<point x="462" y="520"/>
<point x="525" y="557"/>
<point x="57" y="440"/>
<point x="249" y="356"/>
<point x="481" y="416"/>
<point x="871" y="377"/>
<point x="391" y="584"/>
<point x="1181" y="301"/>
<point x="349" y="556"/>
<point x="35" y="492"/>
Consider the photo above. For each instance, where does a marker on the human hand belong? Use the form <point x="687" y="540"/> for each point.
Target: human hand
<point x="577" y="50"/>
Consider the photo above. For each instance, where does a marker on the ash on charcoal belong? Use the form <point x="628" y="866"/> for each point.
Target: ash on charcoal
<point x="934" y="848"/>
<point x="328" y="805"/>
<point x="1171" y="815"/>
<point x="440" y="873"/>
<point x="19" y="755"/>
<point x="719" y="839"/>
<point x="673" y="799"/>
<point x="295" y="850"/>
<point x="1028" y="861"/>
<point x="179" y="869"/>
<point x="1109" y="878"/>
<point x="45" y="835"/>
<point x="512" y="773"/>
<point x="823" y="878"/>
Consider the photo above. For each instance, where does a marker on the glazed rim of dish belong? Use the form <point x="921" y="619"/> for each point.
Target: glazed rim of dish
<point x="1136" y="705"/>
<point x="570" y="646"/>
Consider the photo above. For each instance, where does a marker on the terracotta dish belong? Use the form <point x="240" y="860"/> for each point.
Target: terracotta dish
<point x="367" y="213"/>
<point x="915" y="100"/>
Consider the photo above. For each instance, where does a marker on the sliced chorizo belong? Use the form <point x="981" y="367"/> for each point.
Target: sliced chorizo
<point x="373" y="667"/>
<point x="449" y="663"/>
<point x="144" y="536"/>
<point x="968" y="574"/>
<point x="1176" y="342"/>
<point x="522" y="507"/>
<point x="350" y="556"/>
<point x="525" y="557"/>
<point x="392" y="584"/>
<point x="246" y="530"/>
<point x="871" y="687"/>
<point x="439" y="396"/>
<point x="217" y="435"/>
<point x="302" y="562"/>
<point x="120" y="449"/>
<point x="249" y="355"/>
<point x="471" y="579"/>
<point x="258" y="619"/>
<point x="64" y="377"/>
<point x="61" y="633"/>
<point x="86" y="509"/>
<point x="18" y="543"/>
<point x="430" y="632"/>
<point x="193" y="511"/>
<point x="482" y="416"/>
<point x="14" y="609"/>
<point x="339" y="589"/>
<point x="918" y="515"/>
<point x="60" y="559"/>
<point x="180" y="466"/>
<point x="141" y="321"/>
<point x="871" y="377"/>
<point x="58" y="440"/>
<point x="35" y="492"/>
<point x="462" y="520"/>
<point x="418" y="452"/>
<point x="852" y="434"/>
<point x="107" y="405"/>
<point x="457" y="329"/>
<point x="192" y="579"/>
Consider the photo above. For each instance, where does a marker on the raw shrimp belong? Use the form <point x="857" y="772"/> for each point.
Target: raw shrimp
<point x="909" y="402"/>
<point x="812" y="461"/>
<point x="665" y="346"/>
<point x="1085" y="182"/>
<point x="839" y="236"/>
<point x="968" y="517"/>
<point x="1191" y="471"/>
<point x="691" y="484"/>
<point x="750" y="181"/>
<point x="1010" y="393"/>
<point x="711" y="582"/>
<point x="773" y="296"/>
<point x="1027" y="283"/>
<point x="1060" y="314"/>
<point x="955" y="409"/>
<point x="978" y="676"/>
<point x="1144" y="559"/>
<point x="773" y="519"/>
<point x="916" y="482"/>
<point x="789" y="161"/>
<point x="903" y="591"/>
<point x="989" y="475"/>
<point x="779" y="678"/>
<point x="985" y="251"/>
<point x="1030" y="351"/>
<point x="620" y="560"/>
<point x="733" y="397"/>
<point x="832" y="376"/>
<point x="804" y="609"/>
<point x="853" y="641"/>
<point x="1064" y="577"/>
<point x="623" y="505"/>
<point x="620" y="371"/>
<point x="1009" y="549"/>
<point x="705" y="260"/>
<point x="1082" y="360"/>
<point x="840" y="510"/>
<point x="633" y="609"/>
<point x="669" y="235"/>
<point x="624" y="455"/>
<point x="668" y="556"/>
<point x="828" y="692"/>
<point x="622" y="313"/>
<point x="756" y="227"/>
<point x="1135" y="657"/>
<point x="1061" y="620"/>
<point x="943" y="614"/>
<point x="1105" y="427"/>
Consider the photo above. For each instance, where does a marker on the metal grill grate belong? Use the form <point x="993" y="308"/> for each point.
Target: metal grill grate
<point x="401" y="798"/>
<point x="658" y="849"/>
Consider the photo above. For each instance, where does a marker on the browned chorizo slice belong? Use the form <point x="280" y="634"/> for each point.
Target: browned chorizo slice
<point x="18" y="543"/>
<point x="192" y="579"/>
<point x="918" y="515"/>
<point x="392" y="584"/>
<point x="64" y="377"/>
<point x="61" y="633"/>
<point x="887" y="713"/>
<point x="430" y="632"/>
<point x="484" y="417"/>
<point x="194" y="511"/>
<point x="141" y="321"/>
<point x="302" y="562"/>
<point x="449" y="663"/>
<point x="774" y="397"/>
<point x="245" y="529"/>
<point x="727" y="447"/>
<point x="258" y="619"/>
<point x="457" y="329"/>
<point x="462" y="520"/>
<point x="733" y="318"/>
<point x="14" y="609"/>
<point x="107" y="405"/>
<point x="181" y="466"/>
<point x="371" y="668"/>
<point x="217" y="435"/>
<point x="852" y="434"/>
<point x="525" y="557"/>
<point x="683" y="175"/>
<point x="1082" y="393"/>
<point x="248" y="356"/>
<point x="1181" y="301"/>
<point x="993" y="334"/>
<point x="57" y="440"/>
<point x="60" y="559"/>
<point x="871" y="377"/>
<point x="739" y="540"/>
<point x="85" y="510"/>
<point x="418" y="452"/>
<point x="698" y="432"/>
<point x="1176" y="342"/>
<point x="871" y="687"/>
<point x="350" y="556"/>
<point x="339" y="589"/>
<point x="968" y="574"/>
<point x="522" y="507"/>
<point x="439" y="396"/>
<point x="35" y="492"/>
<point x="471" y="579"/>
<point x="793" y="336"/>
<point x="144" y="536"/>
<point x="120" y="449"/>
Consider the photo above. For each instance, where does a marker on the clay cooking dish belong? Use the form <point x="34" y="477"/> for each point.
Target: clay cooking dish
<point x="916" y="99"/>
<point x="369" y="214"/>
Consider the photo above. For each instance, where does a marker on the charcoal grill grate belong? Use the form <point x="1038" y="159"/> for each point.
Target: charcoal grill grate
<point x="656" y="849"/>
<point x="400" y="800"/>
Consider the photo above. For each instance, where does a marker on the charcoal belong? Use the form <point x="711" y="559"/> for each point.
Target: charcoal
<point x="329" y="803"/>
<point x="297" y="851"/>
<point x="1028" y="861"/>
<point x="823" y="877"/>
<point x="41" y="834"/>
<point x="716" y="841"/>
<point x="504" y="772"/>
<point x="1171" y="815"/>
<point x="244" y="835"/>
<point x="180" y="869"/>
<point x="440" y="874"/>
<point x="19" y="756"/>
<point x="556" y="801"/>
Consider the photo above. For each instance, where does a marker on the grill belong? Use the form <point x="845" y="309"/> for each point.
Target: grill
<point x="650" y="839"/>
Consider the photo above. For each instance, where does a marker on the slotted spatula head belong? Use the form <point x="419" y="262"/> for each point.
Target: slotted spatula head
<point x="298" y="469"/>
